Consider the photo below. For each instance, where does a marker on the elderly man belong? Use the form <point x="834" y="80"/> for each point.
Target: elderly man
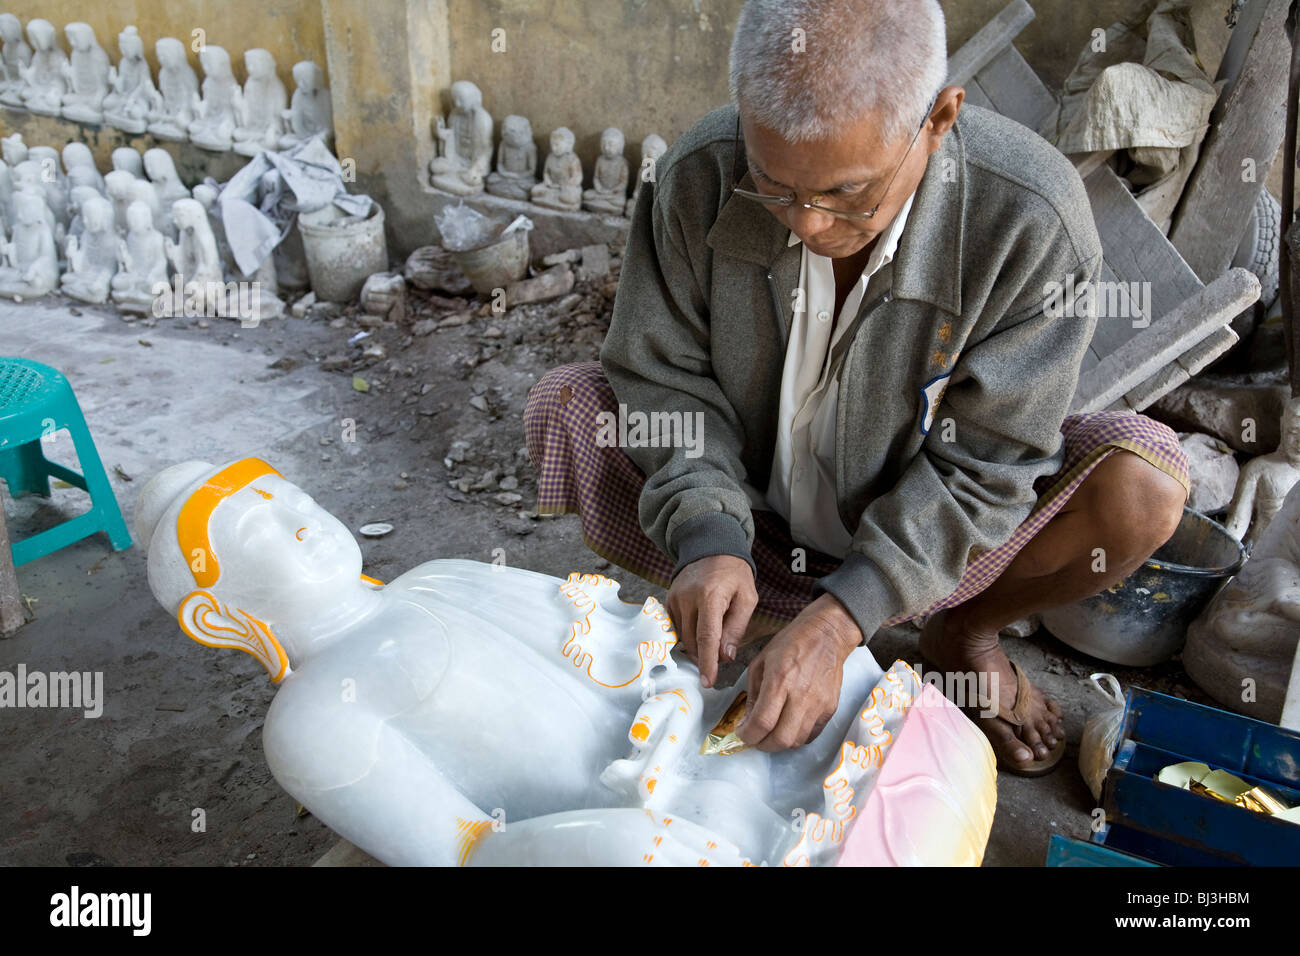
<point x="846" y="279"/>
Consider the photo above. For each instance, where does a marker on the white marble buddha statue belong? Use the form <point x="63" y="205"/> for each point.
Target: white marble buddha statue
<point x="15" y="54"/>
<point x="77" y="197"/>
<point x="259" y="106"/>
<point x="172" y="106"/>
<point x="44" y="80"/>
<point x="195" y="259"/>
<point x="29" y="176"/>
<point x="561" y="185"/>
<point x="119" y="187"/>
<point x="608" y="192"/>
<point x="131" y="91"/>
<point x="214" y="110"/>
<point x="464" y="143"/>
<point x="310" y="112"/>
<point x="417" y="717"/>
<point x="76" y="156"/>
<point x="86" y="73"/>
<point x="92" y="255"/>
<point x="52" y="179"/>
<point x="516" y="172"/>
<point x="13" y="149"/>
<point x="143" y="191"/>
<point x="142" y="263"/>
<point x="30" y="259"/>
<point x="1265" y="482"/>
<point x="652" y="148"/>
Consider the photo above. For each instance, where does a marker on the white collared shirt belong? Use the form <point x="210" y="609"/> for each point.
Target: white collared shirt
<point x="802" y="487"/>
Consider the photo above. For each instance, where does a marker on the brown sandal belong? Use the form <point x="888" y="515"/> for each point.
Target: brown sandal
<point x="1016" y="717"/>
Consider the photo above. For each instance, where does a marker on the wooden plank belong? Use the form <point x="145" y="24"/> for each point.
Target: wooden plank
<point x="1217" y="203"/>
<point x="980" y="50"/>
<point x="11" y="601"/>
<point x="1133" y="246"/>
<point x="1017" y="92"/>
<point x="1147" y="353"/>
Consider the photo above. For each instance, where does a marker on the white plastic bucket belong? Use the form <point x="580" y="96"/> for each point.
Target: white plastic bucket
<point x="340" y="257"/>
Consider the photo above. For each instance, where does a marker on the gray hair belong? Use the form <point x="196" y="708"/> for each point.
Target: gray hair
<point x="806" y="68"/>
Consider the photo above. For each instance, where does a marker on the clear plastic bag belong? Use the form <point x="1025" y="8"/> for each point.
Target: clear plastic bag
<point x="1101" y="732"/>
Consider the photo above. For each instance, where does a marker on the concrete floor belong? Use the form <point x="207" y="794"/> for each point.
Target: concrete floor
<point x="179" y="730"/>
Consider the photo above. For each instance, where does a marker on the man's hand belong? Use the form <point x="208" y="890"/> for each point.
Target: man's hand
<point x="794" y="683"/>
<point x="710" y="602"/>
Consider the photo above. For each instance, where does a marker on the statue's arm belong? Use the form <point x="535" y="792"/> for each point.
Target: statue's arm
<point x="1243" y="503"/>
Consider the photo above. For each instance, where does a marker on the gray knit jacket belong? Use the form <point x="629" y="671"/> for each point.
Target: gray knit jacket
<point x="959" y="321"/>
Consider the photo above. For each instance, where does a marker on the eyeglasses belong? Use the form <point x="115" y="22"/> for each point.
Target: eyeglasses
<point x="789" y="200"/>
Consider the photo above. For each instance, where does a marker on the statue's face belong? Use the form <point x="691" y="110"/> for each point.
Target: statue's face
<point x="1290" y="445"/>
<point x="516" y="134"/>
<point x="258" y="63"/>
<point x="304" y="76"/>
<point x="131" y="45"/>
<point x="10" y="28"/>
<point x="40" y="33"/>
<point x="168" y="51"/>
<point x="215" y="61"/>
<point x="76" y="36"/>
<point x="157" y="164"/>
<point x="279" y="553"/>
<point x="611" y="145"/>
<point x="561" y="143"/>
<point x="97" y="214"/>
<point x="139" y="218"/>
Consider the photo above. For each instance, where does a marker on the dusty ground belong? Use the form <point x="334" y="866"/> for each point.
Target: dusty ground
<point x="180" y="725"/>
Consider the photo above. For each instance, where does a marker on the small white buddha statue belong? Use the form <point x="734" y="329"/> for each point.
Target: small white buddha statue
<point x="561" y="185"/>
<point x="652" y="148"/>
<point x="161" y="170"/>
<point x="214" y="111"/>
<point x="143" y="191"/>
<point x="44" y="79"/>
<point x="259" y="106"/>
<point x="15" y="54"/>
<point x="142" y="263"/>
<point x="195" y="259"/>
<point x="77" y="197"/>
<point x="310" y="112"/>
<point x="92" y="255"/>
<point x="128" y="159"/>
<point x="411" y="716"/>
<point x="1265" y="482"/>
<point x="608" y="192"/>
<point x="48" y="176"/>
<point x="465" y="143"/>
<point x="30" y="260"/>
<point x="119" y="187"/>
<point x="516" y="172"/>
<point x="76" y="156"/>
<point x="131" y="91"/>
<point x="86" y="73"/>
<point x="171" y="107"/>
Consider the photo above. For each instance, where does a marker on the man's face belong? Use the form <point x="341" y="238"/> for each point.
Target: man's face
<point x="850" y="171"/>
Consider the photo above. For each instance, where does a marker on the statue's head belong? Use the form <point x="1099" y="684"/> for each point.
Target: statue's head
<point x="308" y="76"/>
<point x="40" y="34"/>
<point x="158" y="164"/>
<point x="29" y="207"/>
<point x="82" y="178"/>
<point x="47" y="158"/>
<point x="205" y="194"/>
<point x="127" y="159"/>
<point x="466" y="96"/>
<point x="215" y="61"/>
<point x="653" y="146"/>
<point x="118" y="184"/>
<point x="612" y="142"/>
<point x="188" y="214"/>
<point x="139" y="217"/>
<point x="97" y="213"/>
<point x="77" y="154"/>
<point x="13" y="149"/>
<point x="516" y="130"/>
<point x="10" y="29"/>
<point x="80" y="36"/>
<point x="130" y="44"/>
<point x="170" y="52"/>
<point x="562" y="141"/>
<point x="259" y="63"/>
<point x="237" y="551"/>
<point x="142" y="190"/>
<point x="28" y="174"/>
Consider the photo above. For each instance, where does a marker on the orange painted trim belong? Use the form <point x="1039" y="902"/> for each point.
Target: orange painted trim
<point x="192" y="522"/>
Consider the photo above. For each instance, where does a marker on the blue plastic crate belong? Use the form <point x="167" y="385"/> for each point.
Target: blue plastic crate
<point x="1067" y="851"/>
<point x="1180" y="828"/>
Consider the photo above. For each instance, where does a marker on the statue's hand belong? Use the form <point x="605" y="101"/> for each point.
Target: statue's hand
<point x="794" y="683"/>
<point x="711" y="601"/>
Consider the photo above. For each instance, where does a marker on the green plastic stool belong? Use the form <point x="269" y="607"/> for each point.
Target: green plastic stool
<point x="37" y="400"/>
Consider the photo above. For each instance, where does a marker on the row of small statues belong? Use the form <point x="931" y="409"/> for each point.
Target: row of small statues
<point x="219" y="115"/>
<point x="116" y="236"/>
<point x="462" y="167"/>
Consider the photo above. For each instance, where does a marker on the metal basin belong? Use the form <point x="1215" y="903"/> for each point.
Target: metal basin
<point x="1143" y="619"/>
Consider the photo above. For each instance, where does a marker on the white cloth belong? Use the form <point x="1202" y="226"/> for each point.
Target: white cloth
<point x="802" y="487"/>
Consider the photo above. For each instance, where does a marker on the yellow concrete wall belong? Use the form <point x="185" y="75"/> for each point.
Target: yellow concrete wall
<point x="291" y="29"/>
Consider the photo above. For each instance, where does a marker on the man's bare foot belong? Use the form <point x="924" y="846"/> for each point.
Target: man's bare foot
<point x="953" y="647"/>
